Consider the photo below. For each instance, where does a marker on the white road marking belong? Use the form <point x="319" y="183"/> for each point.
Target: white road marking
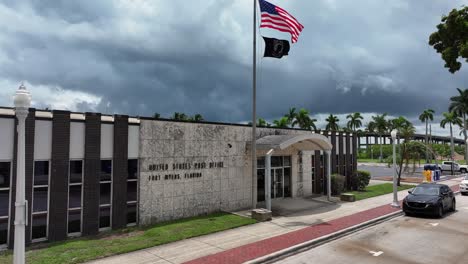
<point x="466" y="208"/>
<point x="376" y="254"/>
<point x="434" y="224"/>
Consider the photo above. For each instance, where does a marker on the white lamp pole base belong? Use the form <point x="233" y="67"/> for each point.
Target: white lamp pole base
<point x="21" y="203"/>
<point x="395" y="202"/>
<point x="22" y="101"/>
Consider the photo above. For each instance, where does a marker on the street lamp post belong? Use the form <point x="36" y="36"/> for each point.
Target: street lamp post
<point x="22" y="102"/>
<point x="395" y="196"/>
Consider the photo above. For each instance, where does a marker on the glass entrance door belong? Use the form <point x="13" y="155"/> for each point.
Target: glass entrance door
<point x="277" y="183"/>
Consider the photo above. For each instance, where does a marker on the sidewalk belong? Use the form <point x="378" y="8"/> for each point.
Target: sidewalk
<point x="250" y="242"/>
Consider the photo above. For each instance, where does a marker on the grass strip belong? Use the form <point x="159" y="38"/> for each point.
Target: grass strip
<point x="376" y="190"/>
<point x="127" y="240"/>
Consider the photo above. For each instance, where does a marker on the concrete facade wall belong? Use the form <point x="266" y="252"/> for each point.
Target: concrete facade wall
<point x="189" y="169"/>
<point x="43" y="140"/>
<point x="170" y="152"/>
<point x="77" y="140"/>
<point x="7" y="131"/>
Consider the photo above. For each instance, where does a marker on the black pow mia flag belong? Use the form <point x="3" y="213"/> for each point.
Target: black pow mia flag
<point x="275" y="48"/>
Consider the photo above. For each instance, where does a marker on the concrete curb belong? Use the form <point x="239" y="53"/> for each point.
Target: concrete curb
<point x="322" y="240"/>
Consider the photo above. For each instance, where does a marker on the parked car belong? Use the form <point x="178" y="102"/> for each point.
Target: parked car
<point x="464" y="186"/>
<point x="463" y="168"/>
<point x="429" y="198"/>
<point x="447" y="166"/>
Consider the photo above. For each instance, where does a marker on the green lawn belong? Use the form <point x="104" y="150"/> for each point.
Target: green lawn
<point x="376" y="190"/>
<point x="126" y="240"/>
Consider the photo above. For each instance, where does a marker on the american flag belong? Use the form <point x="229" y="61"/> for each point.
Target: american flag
<point x="277" y="18"/>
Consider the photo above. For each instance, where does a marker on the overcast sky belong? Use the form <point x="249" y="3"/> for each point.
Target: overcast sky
<point x="138" y="57"/>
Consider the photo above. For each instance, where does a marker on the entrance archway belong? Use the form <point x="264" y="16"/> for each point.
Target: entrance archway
<point x="304" y="142"/>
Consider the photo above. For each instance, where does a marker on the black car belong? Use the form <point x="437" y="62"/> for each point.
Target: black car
<point x="429" y="198"/>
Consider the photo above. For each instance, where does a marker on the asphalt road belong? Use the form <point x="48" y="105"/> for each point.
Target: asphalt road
<point x="376" y="171"/>
<point x="379" y="171"/>
<point x="401" y="240"/>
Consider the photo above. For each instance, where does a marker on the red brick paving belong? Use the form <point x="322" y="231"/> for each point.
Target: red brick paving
<point x="264" y="247"/>
<point x="270" y="245"/>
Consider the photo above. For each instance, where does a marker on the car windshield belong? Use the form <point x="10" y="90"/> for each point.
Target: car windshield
<point x="426" y="190"/>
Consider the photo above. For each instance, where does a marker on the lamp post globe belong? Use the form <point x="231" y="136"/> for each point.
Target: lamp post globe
<point x="394" y="134"/>
<point x="22" y="102"/>
<point x="22" y="98"/>
<point x="395" y="203"/>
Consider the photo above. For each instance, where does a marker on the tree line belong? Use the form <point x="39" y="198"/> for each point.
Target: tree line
<point x="181" y="117"/>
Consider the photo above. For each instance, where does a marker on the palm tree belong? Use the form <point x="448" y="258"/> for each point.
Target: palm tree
<point x="370" y="127"/>
<point x="427" y="115"/>
<point x="197" y="118"/>
<point x="332" y="123"/>
<point x="452" y="119"/>
<point x="355" y="121"/>
<point x="380" y="127"/>
<point x="282" y="123"/>
<point x="406" y="132"/>
<point x="459" y="105"/>
<point x="398" y="124"/>
<point x="180" y="116"/>
<point x="304" y="121"/>
<point x="262" y="123"/>
<point x="291" y="115"/>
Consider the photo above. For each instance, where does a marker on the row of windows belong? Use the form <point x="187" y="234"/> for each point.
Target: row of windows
<point x="40" y="201"/>
<point x="75" y="196"/>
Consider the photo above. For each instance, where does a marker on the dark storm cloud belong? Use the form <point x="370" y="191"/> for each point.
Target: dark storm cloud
<point x="70" y="11"/>
<point x="143" y="57"/>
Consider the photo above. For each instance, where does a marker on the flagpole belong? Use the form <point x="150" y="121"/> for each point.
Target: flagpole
<point x="254" y="109"/>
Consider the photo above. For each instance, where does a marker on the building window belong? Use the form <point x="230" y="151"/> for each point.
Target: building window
<point x="105" y="194"/>
<point x="5" y="185"/>
<point x="324" y="171"/>
<point x="314" y="175"/>
<point x="344" y="164"/>
<point x="132" y="191"/>
<point x="40" y="201"/>
<point x="75" y="194"/>
<point x="322" y="164"/>
<point x="338" y="163"/>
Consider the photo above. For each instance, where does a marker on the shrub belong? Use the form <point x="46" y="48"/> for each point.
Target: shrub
<point x="360" y="180"/>
<point x="337" y="184"/>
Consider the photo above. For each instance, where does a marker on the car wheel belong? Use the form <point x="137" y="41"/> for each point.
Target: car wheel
<point x="440" y="211"/>
<point x="463" y="170"/>
<point x="454" y="204"/>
